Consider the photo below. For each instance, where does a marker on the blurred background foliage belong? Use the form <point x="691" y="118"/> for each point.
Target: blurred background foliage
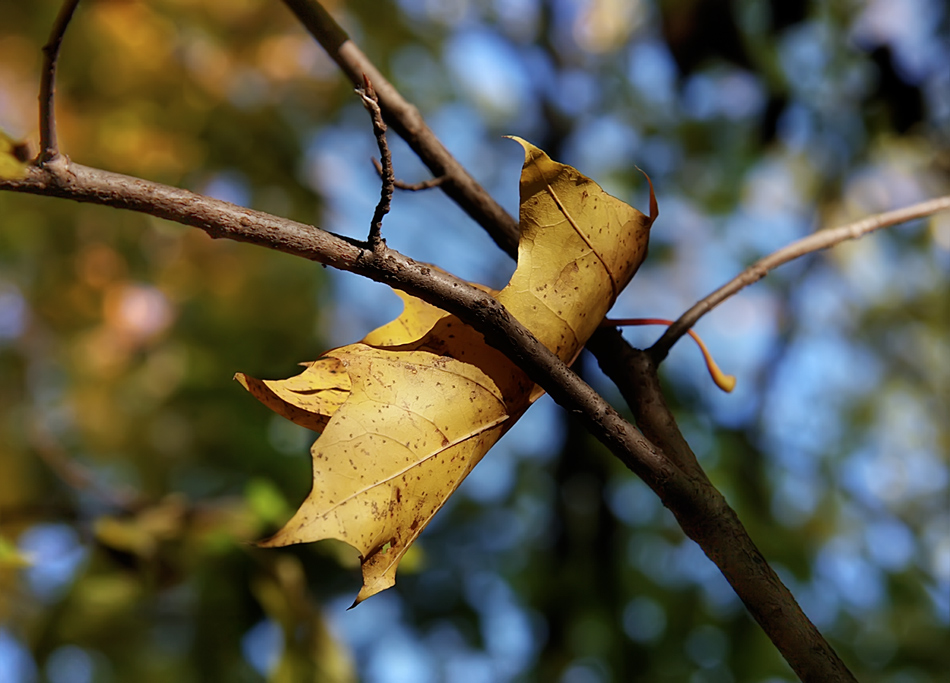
<point x="134" y="473"/>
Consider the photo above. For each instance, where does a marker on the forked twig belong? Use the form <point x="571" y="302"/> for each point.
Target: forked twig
<point x="412" y="187"/>
<point x="371" y="102"/>
<point x="823" y="239"/>
<point x="49" y="147"/>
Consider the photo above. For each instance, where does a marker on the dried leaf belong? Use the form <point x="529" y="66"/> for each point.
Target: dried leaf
<point x="579" y="248"/>
<point x="409" y="411"/>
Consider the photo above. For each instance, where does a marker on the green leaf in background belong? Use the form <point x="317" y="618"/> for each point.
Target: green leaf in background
<point x="266" y="501"/>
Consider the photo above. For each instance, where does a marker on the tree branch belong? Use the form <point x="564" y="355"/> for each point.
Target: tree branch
<point x="49" y="148"/>
<point x="823" y="239"/>
<point x="221" y="219"/>
<point x="634" y="373"/>
<point x="700" y="510"/>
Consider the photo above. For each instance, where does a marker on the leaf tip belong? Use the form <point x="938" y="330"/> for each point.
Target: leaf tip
<point x="530" y="151"/>
<point x="279" y="539"/>
<point x="654" y="207"/>
<point x="373" y="585"/>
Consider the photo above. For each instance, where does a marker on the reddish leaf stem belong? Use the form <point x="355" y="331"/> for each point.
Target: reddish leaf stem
<point x="725" y="382"/>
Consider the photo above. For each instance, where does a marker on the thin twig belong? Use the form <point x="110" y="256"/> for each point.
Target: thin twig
<point x="411" y="187"/>
<point x="823" y="239"/>
<point x="49" y="147"/>
<point x="405" y="119"/>
<point x="371" y="102"/>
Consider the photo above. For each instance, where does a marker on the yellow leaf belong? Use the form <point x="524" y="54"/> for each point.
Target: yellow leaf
<point x="11" y="155"/>
<point x="393" y="453"/>
<point x="417" y="318"/>
<point x="408" y="412"/>
<point x="579" y="248"/>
